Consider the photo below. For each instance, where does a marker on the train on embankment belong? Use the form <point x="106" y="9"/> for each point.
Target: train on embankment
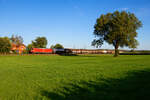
<point x="86" y="51"/>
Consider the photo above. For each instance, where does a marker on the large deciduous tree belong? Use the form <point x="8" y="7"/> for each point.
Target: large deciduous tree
<point x="40" y="42"/>
<point x="118" y="29"/>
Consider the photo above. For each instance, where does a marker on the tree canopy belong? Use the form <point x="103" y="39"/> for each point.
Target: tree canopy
<point x="5" y="45"/>
<point x="18" y="40"/>
<point x="40" y="42"/>
<point x="29" y="48"/>
<point x="57" y="46"/>
<point x="118" y="29"/>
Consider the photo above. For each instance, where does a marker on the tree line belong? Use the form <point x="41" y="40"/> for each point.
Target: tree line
<point x="7" y="43"/>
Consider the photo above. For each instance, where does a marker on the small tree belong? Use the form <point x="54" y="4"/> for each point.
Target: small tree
<point x="52" y="47"/>
<point x="29" y="48"/>
<point x="40" y="42"/>
<point x="5" y="45"/>
<point x="57" y="46"/>
<point x="18" y="40"/>
<point x="118" y="29"/>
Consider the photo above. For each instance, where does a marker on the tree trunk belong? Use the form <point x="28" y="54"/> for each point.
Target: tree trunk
<point x="116" y="51"/>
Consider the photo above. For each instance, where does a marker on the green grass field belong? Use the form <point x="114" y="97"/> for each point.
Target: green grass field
<point x="84" y="77"/>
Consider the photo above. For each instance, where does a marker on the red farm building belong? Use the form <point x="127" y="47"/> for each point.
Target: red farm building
<point x="18" y="48"/>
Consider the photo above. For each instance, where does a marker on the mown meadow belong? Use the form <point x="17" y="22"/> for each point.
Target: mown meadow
<point x="80" y="77"/>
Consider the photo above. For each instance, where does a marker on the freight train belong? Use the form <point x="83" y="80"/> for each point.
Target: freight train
<point x="72" y="51"/>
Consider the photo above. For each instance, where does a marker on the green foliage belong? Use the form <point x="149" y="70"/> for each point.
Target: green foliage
<point x="25" y="52"/>
<point x="14" y="52"/>
<point x="134" y="44"/>
<point x="5" y="45"/>
<point x="18" y="40"/>
<point x="40" y="42"/>
<point x="57" y="46"/>
<point x="52" y="47"/>
<point x="117" y="29"/>
<point x="83" y="77"/>
<point x="29" y="48"/>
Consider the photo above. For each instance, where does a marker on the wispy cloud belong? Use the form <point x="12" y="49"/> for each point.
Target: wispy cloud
<point x="121" y="9"/>
<point x="124" y="9"/>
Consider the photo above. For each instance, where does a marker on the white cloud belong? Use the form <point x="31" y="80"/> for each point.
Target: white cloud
<point x="121" y="9"/>
<point x="124" y="9"/>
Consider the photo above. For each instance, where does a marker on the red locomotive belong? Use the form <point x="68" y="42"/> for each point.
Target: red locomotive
<point x="41" y="50"/>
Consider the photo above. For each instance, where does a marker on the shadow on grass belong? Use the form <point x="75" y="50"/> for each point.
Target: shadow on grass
<point x="135" y="86"/>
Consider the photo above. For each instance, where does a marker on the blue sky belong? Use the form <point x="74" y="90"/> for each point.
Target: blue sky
<point x="69" y="22"/>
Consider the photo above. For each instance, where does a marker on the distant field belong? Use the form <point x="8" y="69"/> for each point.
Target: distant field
<point x="84" y="77"/>
<point x="140" y="52"/>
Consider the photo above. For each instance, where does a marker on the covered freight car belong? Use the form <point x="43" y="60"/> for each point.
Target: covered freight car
<point x="62" y="51"/>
